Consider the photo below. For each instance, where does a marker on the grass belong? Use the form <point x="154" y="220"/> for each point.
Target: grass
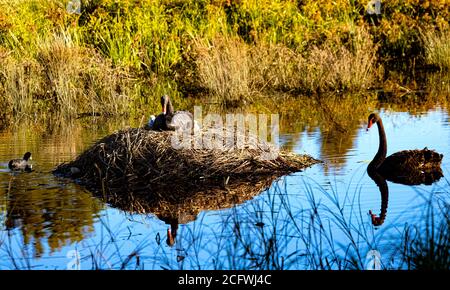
<point x="232" y="70"/>
<point x="116" y="55"/>
<point x="224" y="68"/>
<point x="103" y="253"/>
<point x="428" y="248"/>
<point x="64" y="78"/>
<point x="340" y="67"/>
<point x="437" y="49"/>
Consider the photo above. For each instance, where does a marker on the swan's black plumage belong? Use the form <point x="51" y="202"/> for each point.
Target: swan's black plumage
<point x="407" y="166"/>
<point x="170" y="120"/>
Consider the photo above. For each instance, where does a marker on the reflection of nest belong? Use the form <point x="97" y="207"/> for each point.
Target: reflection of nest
<point x="185" y="207"/>
<point x="137" y="169"/>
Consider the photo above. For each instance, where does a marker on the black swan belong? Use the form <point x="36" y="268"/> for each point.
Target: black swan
<point x="21" y="164"/>
<point x="407" y="167"/>
<point x="170" y="120"/>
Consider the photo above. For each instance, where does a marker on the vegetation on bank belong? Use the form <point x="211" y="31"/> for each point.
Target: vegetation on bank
<point x="118" y="56"/>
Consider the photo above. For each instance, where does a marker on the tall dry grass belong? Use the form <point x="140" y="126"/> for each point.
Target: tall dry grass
<point x="64" y="77"/>
<point x="234" y="70"/>
<point x="349" y="67"/>
<point x="82" y="81"/>
<point x="437" y="48"/>
<point x="62" y="65"/>
<point x="20" y="81"/>
<point x="223" y="67"/>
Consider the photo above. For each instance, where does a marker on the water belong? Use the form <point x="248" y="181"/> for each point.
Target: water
<point x="320" y="215"/>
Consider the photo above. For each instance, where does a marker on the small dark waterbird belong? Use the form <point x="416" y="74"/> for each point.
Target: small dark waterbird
<point x="20" y="164"/>
<point x="169" y="120"/>
<point x="407" y="166"/>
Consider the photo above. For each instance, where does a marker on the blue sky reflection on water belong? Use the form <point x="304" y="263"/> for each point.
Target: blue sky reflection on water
<point x="208" y="240"/>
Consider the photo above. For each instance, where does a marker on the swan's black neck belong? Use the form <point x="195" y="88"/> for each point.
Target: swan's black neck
<point x="169" y="107"/>
<point x="382" y="148"/>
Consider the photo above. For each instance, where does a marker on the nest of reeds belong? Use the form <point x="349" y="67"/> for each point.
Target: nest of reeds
<point x="136" y="161"/>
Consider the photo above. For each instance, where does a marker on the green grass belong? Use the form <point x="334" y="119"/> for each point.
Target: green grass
<point x="118" y="52"/>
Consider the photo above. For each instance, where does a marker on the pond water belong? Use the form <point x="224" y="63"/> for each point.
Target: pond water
<point x="314" y="219"/>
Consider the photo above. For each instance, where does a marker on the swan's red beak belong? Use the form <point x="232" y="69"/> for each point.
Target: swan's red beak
<point x="164" y="107"/>
<point x="369" y="125"/>
<point x="170" y="238"/>
<point x="376" y="221"/>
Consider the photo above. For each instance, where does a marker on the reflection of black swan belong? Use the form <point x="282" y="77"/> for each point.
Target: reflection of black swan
<point x="174" y="219"/>
<point x="408" y="166"/>
<point x="170" y="120"/>
<point x="172" y="233"/>
<point x="20" y="164"/>
<point x="384" y="191"/>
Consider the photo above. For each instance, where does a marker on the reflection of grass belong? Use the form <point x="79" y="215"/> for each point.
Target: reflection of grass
<point x="326" y="232"/>
<point x="324" y="113"/>
<point x="49" y="219"/>
<point x="104" y="252"/>
<point x="265" y="235"/>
